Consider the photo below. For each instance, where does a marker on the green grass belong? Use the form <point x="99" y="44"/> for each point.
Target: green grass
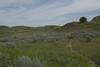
<point x="50" y="54"/>
<point x="53" y="54"/>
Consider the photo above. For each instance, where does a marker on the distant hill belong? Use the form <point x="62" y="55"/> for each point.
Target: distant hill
<point x="93" y="25"/>
<point x="96" y="19"/>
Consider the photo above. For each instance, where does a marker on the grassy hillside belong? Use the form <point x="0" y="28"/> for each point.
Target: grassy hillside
<point x="93" y="25"/>
<point x="72" y="45"/>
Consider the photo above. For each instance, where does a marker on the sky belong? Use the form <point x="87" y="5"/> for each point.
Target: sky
<point x="46" y="12"/>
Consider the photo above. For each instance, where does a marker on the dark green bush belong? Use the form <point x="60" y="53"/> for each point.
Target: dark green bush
<point x="83" y="19"/>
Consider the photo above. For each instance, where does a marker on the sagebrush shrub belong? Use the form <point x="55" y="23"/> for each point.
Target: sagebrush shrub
<point x="25" y="61"/>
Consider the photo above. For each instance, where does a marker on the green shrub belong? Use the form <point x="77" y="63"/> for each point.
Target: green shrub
<point x="25" y="61"/>
<point x="83" y="19"/>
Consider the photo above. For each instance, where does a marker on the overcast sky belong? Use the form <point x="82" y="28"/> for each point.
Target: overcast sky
<point x="46" y="12"/>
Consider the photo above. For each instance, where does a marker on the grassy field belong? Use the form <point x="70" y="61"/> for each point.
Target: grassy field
<point x="50" y="55"/>
<point x="71" y="45"/>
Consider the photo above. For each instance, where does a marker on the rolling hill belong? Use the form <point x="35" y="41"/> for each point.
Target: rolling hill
<point x="74" y="44"/>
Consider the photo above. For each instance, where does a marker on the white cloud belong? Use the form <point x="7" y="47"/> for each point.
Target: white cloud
<point x="45" y="12"/>
<point x="48" y="12"/>
<point x="75" y="7"/>
<point x="17" y="3"/>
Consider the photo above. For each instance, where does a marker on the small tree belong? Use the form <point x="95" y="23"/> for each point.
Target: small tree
<point x="83" y="19"/>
